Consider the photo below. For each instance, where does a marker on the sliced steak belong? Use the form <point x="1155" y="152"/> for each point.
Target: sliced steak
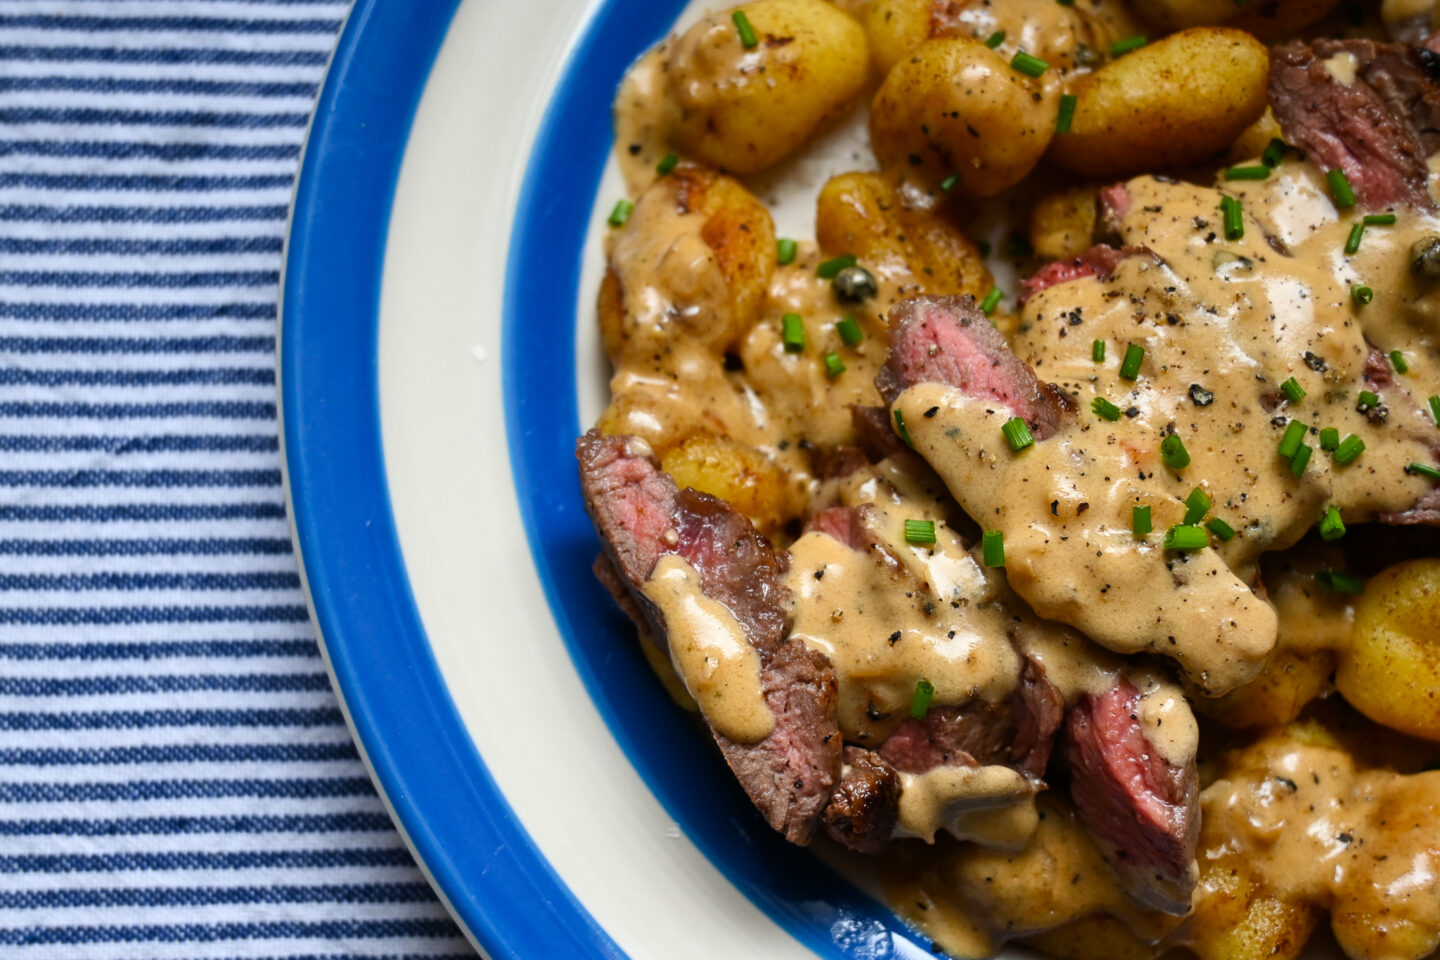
<point x="948" y="340"/>
<point x="1379" y="129"/>
<point x="1143" y="813"/>
<point x="1099" y="261"/>
<point x="641" y="515"/>
<point x="875" y="434"/>
<point x="865" y="806"/>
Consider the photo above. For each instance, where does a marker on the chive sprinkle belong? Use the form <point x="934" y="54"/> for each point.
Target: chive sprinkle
<point x="1424" y="470"/>
<point x="1197" y="504"/>
<point x="1121" y="47"/>
<point x="949" y="182"/>
<point x="792" y="332"/>
<point x="1397" y="360"/>
<point x="991" y="301"/>
<point x="1340" y="188"/>
<point x="1301" y="460"/>
<point x="920" y="532"/>
<point x="1234" y="219"/>
<point x="1130" y="366"/>
<point x="1105" y="409"/>
<point x="834" y="366"/>
<point x="667" y="165"/>
<point x="828" y="269"/>
<point x="1362" y="295"/>
<point x="901" y="429"/>
<point x="1350" y="448"/>
<point x="1017" y="433"/>
<point x="1366" y="401"/>
<point x="1183" y="537"/>
<point x="1097" y="351"/>
<point x="849" y="331"/>
<point x="1067" y="113"/>
<point x="1221" y="529"/>
<point x="995" y="39"/>
<point x="1331" y="526"/>
<point x="748" y="40"/>
<point x="1329" y="439"/>
<point x="1339" y="582"/>
<point x="1028" y="65"/>
<point x="1140" y="521"/>
<point x="1274" y="152"/>
<point x="621" y="213"/>
<point x="1258" y="172"/>
<point x="785" y="251"/>
<point x="920" y="701"/>
<point x="1293" y="437"/>
<point x="1379" y="220"/>
<point x="1352" y="242"/>
<point x="992" y="548"/>
<point x="1293" y="391"/>
<point x="1173" y="452"/>
<point x="1435" y="408"/>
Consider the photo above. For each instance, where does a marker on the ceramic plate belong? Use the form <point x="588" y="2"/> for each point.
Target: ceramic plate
<point x="438" y="359"/>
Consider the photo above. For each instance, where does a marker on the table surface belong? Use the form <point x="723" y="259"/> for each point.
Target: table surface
<point x="177" y="778"/>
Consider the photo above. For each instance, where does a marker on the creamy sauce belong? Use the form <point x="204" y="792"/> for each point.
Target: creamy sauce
<point x="711" y="653"/>
<point x="988" y="805"/>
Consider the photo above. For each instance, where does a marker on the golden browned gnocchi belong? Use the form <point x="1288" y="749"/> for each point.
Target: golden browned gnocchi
<point x="742" y="108"/>
<point x="1391" y="671"/>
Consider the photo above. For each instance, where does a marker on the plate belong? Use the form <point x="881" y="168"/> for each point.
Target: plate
<point x="432" y="380"/>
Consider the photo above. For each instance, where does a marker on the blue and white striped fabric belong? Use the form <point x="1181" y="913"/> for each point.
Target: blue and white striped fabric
<point x="176" y="779"/>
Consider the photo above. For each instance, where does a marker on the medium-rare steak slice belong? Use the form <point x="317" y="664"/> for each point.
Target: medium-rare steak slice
<point x="641" y="517"/>
<point x="1142" y="810"/>
<point x="1379" y="128"/>
<point x="1099" y="261"/>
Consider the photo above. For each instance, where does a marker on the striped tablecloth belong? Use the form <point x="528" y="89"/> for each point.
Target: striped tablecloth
<point x="177" y="780"/>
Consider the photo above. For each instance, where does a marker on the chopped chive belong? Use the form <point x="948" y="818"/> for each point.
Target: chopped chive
<point x="849" y="331"/>
<point x="621" y="213"/>
<point x="1028" y="65"/>
<point x="1362" y="295"/>
<point x="1350" y="448"/>
<point x="667" y="165"/>
<point x="1340" y="188"/>
<point x="834" y="366"/>
<point x="1130" y="366"/>
<point x="920" y="532"/>
<point x="1184" y="537"/>
<point x="1097" y="351"/>
<point x="1173" y="452"/>
<point x="1197" y="504"/>
<point x="1397" y="360"/>
<point x="1105" y="409"/>
<point x="1435" y="409"/>
<point x="1274" y="152"/>
<point x="1067" y="113"/>
<point x="901" y="429"/>
<point x="748" y="40"/>
<point x="785" y="249"/>
<point x="991" y="301"/>
<point x="1331" y="526"/>
<point x="920" y="700"/>
<point x="1292" y="390"/>
<point x="1140" y="521"/>
<point x="1329" y="439"/>
<point x="792" y="332"/>
<point x="995" y="39"/>
<point x="949" y="182"/>
<point x="1234" y="219"/>
<point x="1293" y="437"/>
<point x="1366" y="401"/>
<point x="1379" y="220"/>
<point x="1424" y="470"/>
<point x="1259" y="172"/>
<point x="1352" y="242"/>
<point x="828" y="269"/>
<point x="1221" y="529"/>
<point x="1339" y="582"/>
<point x="1121" y="47"/>
<point x="1301" y="460"/>
<point x="992" y="548"/>
<point x="1017" y="433"/>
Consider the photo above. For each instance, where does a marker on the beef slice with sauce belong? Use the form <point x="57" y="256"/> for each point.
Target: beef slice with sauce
<point x="641" y="516"/>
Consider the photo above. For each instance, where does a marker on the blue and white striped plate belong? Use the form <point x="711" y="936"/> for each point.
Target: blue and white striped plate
<point x="433" y="380"/>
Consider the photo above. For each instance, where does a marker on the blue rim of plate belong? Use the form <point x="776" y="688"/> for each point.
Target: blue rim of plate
<point x="451" y="810"/>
